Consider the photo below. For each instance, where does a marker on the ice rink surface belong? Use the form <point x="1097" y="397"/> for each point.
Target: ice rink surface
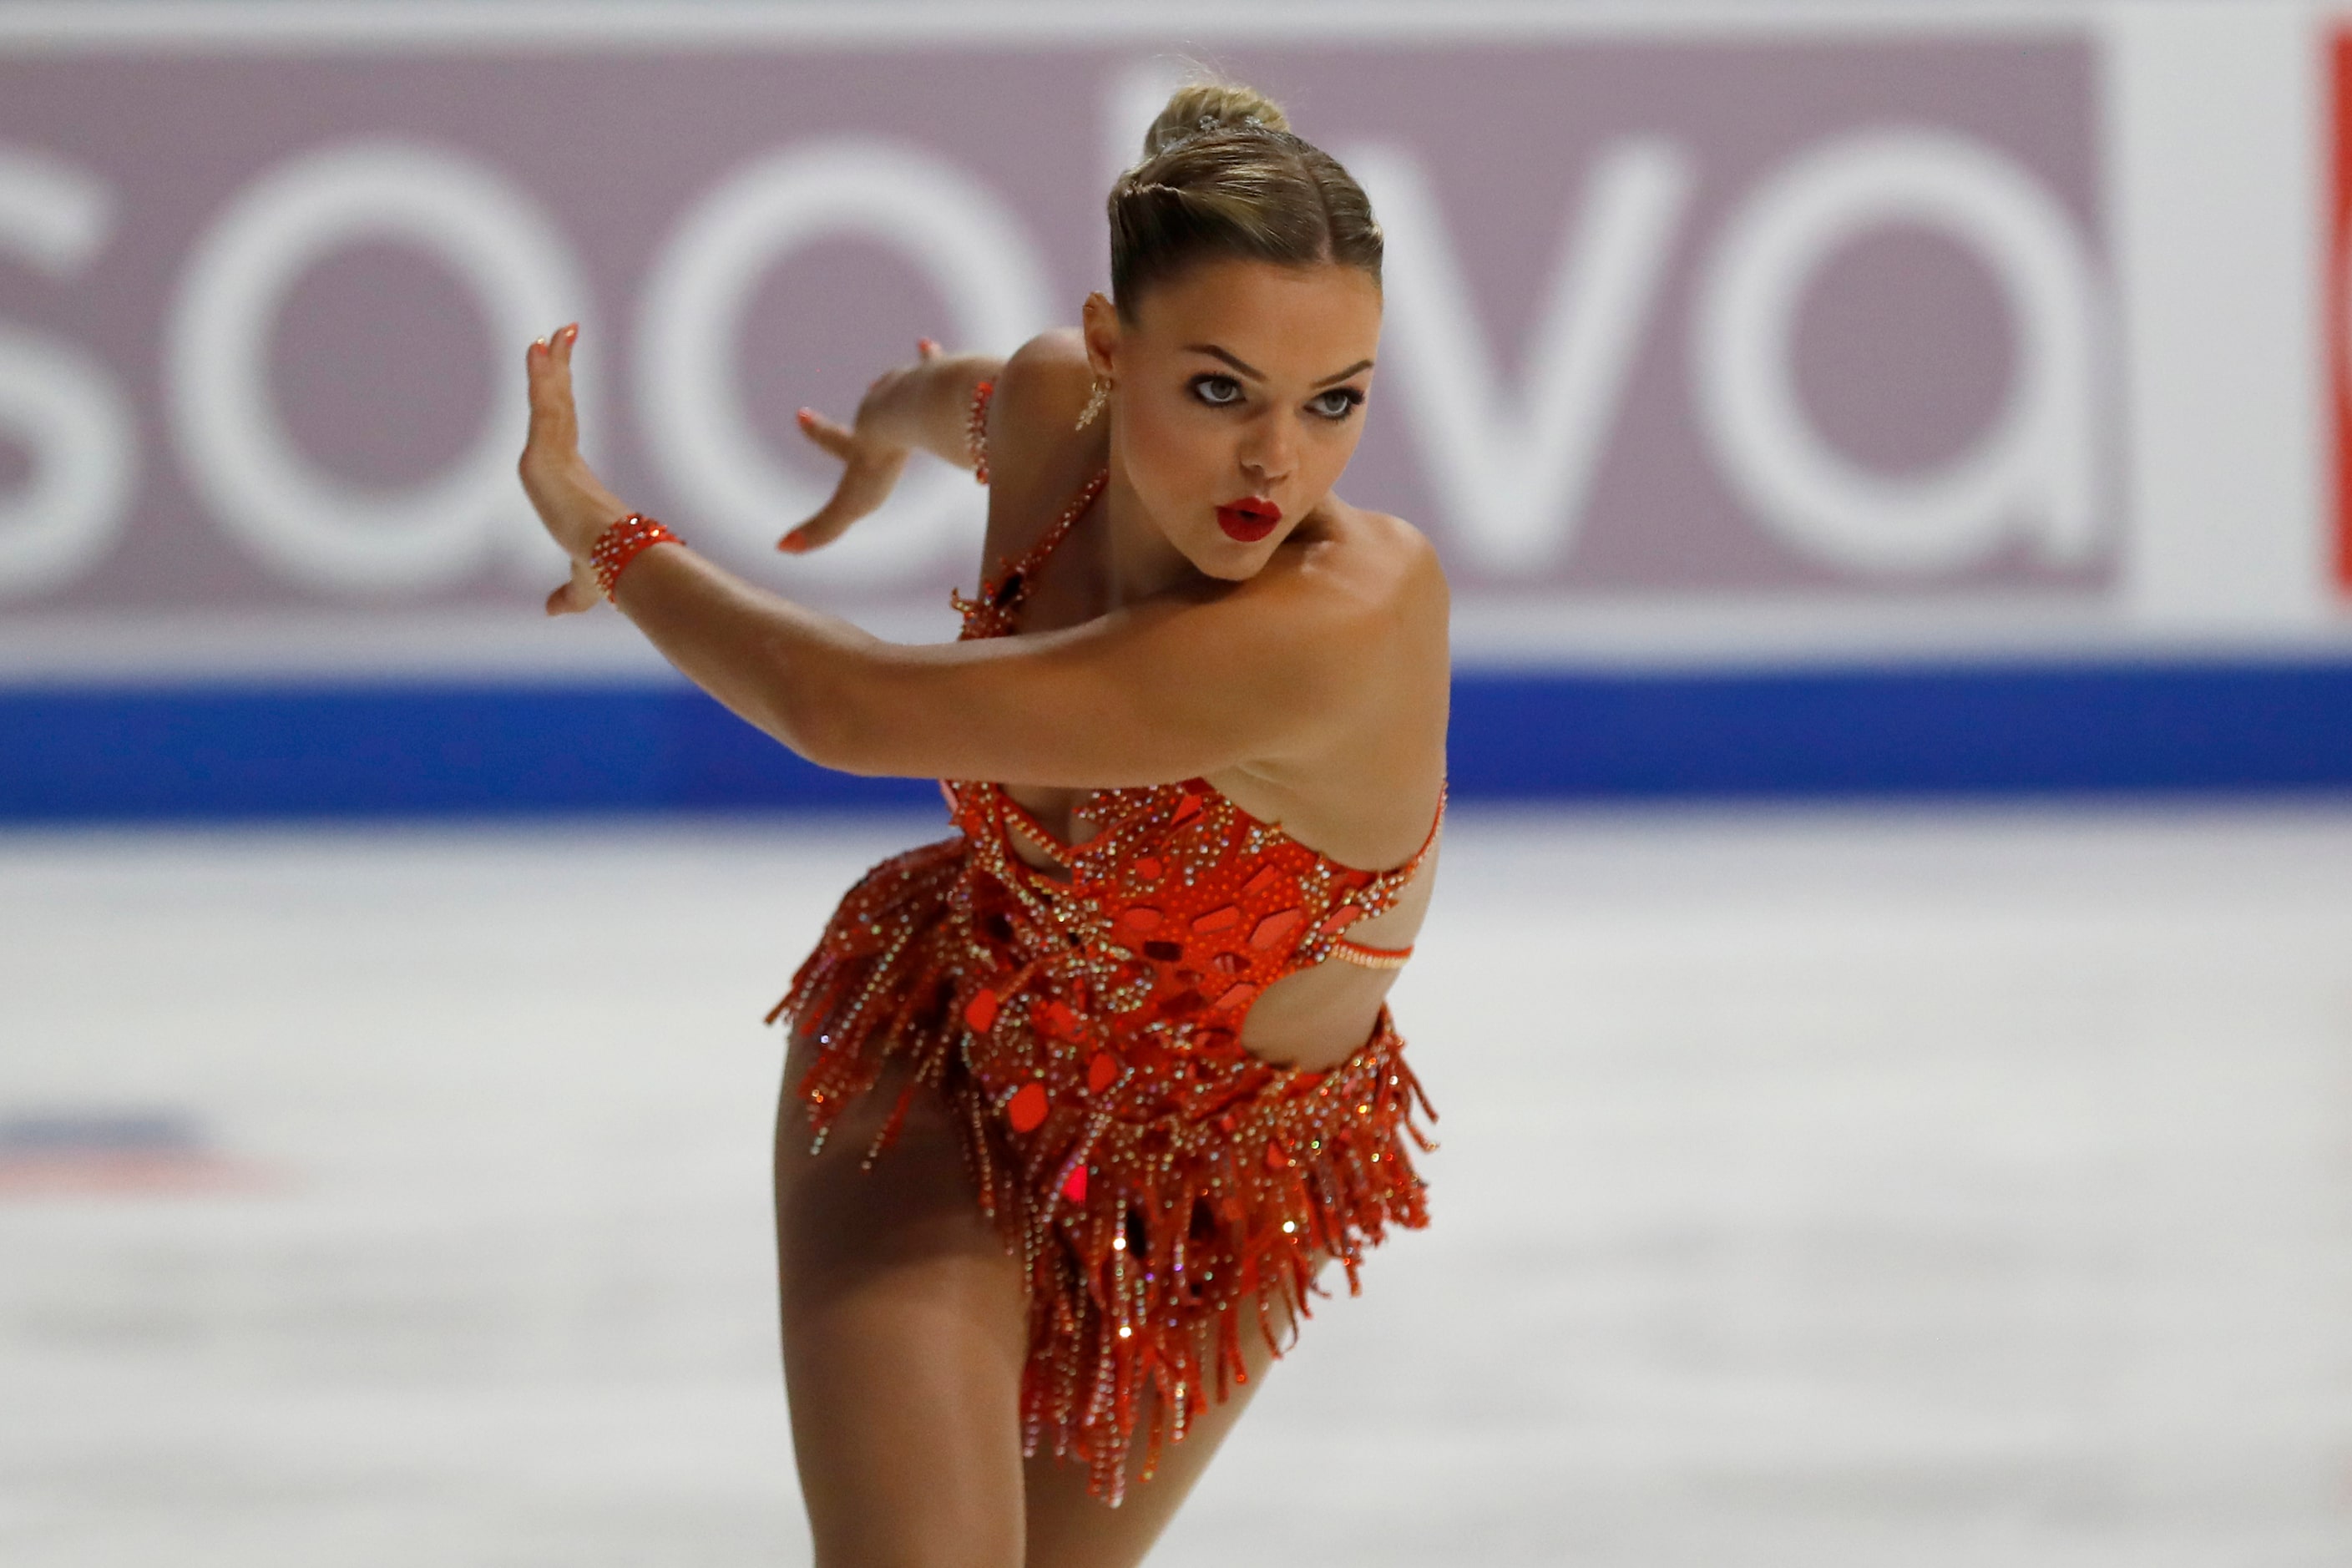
<point x="1841" y="1188"/>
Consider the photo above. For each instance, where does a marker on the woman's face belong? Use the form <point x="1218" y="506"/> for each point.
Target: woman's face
<point x="1239" y="395"/>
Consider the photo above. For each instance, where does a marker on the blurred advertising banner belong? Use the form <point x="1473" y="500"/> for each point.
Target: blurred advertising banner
<point x="1684" y="330"/>
<point x="1710" y="338"/>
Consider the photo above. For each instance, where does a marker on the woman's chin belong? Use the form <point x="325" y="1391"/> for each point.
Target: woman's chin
<point x="1231" y="563"/>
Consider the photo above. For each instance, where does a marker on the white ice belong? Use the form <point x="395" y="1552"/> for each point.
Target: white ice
<point x="1842" y="1188"/>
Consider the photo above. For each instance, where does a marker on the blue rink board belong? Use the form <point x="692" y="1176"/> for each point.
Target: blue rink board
<point x="147" y="753"/>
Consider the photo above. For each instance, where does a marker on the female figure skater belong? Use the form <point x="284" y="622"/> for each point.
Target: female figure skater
<point x="1079" y="1101"/>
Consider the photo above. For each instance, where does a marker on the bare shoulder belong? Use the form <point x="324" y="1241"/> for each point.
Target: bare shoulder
<point x="1038" y="394"/>
<point x="1054" y="361"/>
<point x="1375" y="579"/>
<point x="1035" y="460"/>
<point x="1355" y="612"/>
<point x="1354" y="605"/>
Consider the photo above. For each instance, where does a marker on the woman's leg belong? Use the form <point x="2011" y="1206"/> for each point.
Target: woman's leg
<point x="1069" y="1529"/>
<point x="904" y="1332"/>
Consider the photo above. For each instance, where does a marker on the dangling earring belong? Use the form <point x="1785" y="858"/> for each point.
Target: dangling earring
<point x="1094" y="403"/>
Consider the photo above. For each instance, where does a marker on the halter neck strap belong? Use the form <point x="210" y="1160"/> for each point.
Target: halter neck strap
<point x="991" y="614"/>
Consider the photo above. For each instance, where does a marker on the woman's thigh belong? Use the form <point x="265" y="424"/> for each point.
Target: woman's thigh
<point x="904" y="1333"/>
<point x="1069" y="1528"/>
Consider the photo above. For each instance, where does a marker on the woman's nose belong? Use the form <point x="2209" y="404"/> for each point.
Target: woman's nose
<point x="1271" y="451"/>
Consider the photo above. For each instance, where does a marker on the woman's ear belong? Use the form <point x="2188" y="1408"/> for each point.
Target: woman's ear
<point x="1100" y="324"/>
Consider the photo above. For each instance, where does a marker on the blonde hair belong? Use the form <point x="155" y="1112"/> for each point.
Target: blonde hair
<point x="1223" y="176"/>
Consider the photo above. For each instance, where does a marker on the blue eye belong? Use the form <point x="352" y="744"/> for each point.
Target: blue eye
<point x="1217" y="391"/>
<point x="1349" y="400"/>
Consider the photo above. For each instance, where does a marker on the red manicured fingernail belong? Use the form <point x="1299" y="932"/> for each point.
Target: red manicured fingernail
<point x="807" y="415"/>
<point x="928" y="344"/>
<point x="571" y="332"/>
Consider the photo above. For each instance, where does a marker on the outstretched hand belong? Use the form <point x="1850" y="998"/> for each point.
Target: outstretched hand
<point x="576" y="507"/>
<point x="571" y="500"/>
<point x="870" y="463"/>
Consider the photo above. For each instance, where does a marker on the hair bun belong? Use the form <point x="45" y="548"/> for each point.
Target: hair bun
<point x="1223" y="176"/>
<point x="1199" y="108"/>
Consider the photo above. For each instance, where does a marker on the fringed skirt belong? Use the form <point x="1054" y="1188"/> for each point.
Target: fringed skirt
<point x="1158" y="1190"/>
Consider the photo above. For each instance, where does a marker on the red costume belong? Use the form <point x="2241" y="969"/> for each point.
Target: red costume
<point x="1156" y="1179"/>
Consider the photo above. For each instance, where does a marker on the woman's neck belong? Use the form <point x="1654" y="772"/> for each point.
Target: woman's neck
<point x="1140" y="563"/>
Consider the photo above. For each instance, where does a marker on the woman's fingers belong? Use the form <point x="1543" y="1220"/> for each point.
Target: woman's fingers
<point x="869" y="471"/>
<point x="553" y="435"/>
<point x="864" y="485"/>
<point x="578" y="592"/>
<point x="830" y="523"/>
<point x="554" y="423"/>
<point x="836" y="439"/>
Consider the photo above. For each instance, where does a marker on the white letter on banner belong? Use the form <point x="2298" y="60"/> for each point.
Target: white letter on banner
<point x="56" y="398"/>
<point x="256" y="483"/>
<point x="2034" y="471"/>
<point x="689" y="332"/>
<point x="1514" y="476"/>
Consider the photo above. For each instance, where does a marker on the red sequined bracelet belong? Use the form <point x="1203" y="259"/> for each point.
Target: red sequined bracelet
<point x="621" y="543"/>
<point x="975" y="429"/>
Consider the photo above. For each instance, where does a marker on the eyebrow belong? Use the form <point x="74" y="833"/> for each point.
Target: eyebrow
<point x="1257" y="374"/>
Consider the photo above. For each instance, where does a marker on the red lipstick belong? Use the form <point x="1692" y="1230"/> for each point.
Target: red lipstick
<point x="1249" y="518"/>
